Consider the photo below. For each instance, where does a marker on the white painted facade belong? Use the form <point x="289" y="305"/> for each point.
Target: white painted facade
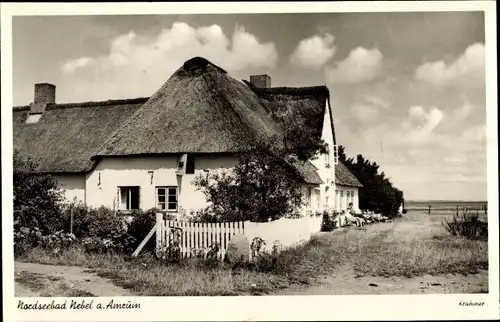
<point x="322" y="197"/>
<point x="149" y="173"/>
<point x="72" y="186"/>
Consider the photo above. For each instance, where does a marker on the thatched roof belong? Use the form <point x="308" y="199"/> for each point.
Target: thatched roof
<point x="344" y="177"/>
<point x="200" y="109"/>
<point x="68" y="135"/>
<point x="306" y="170"/>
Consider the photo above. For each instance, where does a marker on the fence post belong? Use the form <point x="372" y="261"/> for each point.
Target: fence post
<point x="159" y="233"/>
<point x="429" y="209"/>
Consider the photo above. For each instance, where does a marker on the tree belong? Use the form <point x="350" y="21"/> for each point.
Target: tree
<point x="378" y="193"/>
<point x="264" y="184"/>
<point x="36" y="197"/>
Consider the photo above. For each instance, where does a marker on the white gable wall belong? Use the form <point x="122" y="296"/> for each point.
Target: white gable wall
<point x="326" y="172"/>
<point x="148" y="173"/>
<point x="72" y="186"/>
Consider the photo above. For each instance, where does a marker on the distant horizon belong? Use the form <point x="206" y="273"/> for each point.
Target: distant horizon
<point x="443" y="200"/>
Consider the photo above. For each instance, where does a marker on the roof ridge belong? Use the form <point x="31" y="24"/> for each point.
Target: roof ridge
<point x="88" y="104"/>
<point x="287" y="90"/>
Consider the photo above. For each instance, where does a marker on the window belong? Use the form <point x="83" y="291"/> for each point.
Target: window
<point x="166" y="198"/>
<point x="317" y="195"/>
<point x="129" y="198"/>
<point x="190" y="164"/>
<point x="335" y="154"/>
<point x="341" y="199"/>
<point x="308" y="197"/>
<point x="327" y="156"/>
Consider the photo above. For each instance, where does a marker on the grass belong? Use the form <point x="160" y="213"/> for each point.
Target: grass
<point x="48" y="286"/>
<point x="414" y="246"/>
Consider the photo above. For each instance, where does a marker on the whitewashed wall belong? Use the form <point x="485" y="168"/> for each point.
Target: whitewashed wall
<point x="287" y="232"/>
<point x="72" y="185"/>
<point x="326" y="172"/>
<point x="148" y="173"/>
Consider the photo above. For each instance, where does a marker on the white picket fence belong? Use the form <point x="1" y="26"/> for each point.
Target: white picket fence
<point x="196" y="237"/>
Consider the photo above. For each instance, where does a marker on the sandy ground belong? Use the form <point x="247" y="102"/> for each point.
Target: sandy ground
<point x="344" y="282"/>
<point x="74" y="277"/>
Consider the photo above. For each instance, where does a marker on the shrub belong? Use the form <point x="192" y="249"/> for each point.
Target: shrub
<point x="26" y="238"/>
<point x="36" y="197"/>
<point x="266" y="182"/>
<point x="141" y="225"/>
<point x="94" y="222"/>
<point x="467" y="224"/>
<point x="327" y="224"/>
<point x="102" y="229"/>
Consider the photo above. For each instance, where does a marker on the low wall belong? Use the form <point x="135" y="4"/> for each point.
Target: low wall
<point x="286" y="232"/>
<point x="316" y="220"/>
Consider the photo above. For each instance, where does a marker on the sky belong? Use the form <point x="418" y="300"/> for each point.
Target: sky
<point x="407" y="89"/>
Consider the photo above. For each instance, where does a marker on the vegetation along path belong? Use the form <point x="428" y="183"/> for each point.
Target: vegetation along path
<point x="32" y="279"/>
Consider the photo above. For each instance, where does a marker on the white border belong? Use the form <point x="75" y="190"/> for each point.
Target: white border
<point x="296" y="308"/>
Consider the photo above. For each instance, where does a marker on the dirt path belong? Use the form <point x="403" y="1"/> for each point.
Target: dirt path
<point x="49" y="280"/>
<point x="345" y="282"/>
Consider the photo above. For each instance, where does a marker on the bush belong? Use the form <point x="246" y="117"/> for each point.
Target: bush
<point x="36" y="197"/>
<point x="467" y="224"/>
<point x="102" y="229"/>
<point x="141" y="225"/>
<point x="327" y="224"/>
<point x="26" y="238"/>
<point x="94" y="222"/>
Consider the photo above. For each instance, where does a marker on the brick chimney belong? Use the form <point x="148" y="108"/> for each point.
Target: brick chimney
<point x="261" y="81"/>
<point x="45" y="94"/>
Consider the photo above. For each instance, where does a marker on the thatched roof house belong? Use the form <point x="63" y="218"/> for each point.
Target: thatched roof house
<point x="200" y="110"/>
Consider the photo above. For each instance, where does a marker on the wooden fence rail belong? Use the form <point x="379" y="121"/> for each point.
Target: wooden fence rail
<point x="457" y="209"/>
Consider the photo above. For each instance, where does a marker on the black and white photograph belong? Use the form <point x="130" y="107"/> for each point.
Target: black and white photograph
<point x="239" y="154"/>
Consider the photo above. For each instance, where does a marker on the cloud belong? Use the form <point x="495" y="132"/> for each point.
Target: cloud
<point x="470" y="66"/>
<point x="137" y="65"/>
<point x="421" y="124"/>
<point x="314" y="52"/>
<point x="72" y="65"/>
<point x="360" y="65"/>
<point x="369" y="109"/>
